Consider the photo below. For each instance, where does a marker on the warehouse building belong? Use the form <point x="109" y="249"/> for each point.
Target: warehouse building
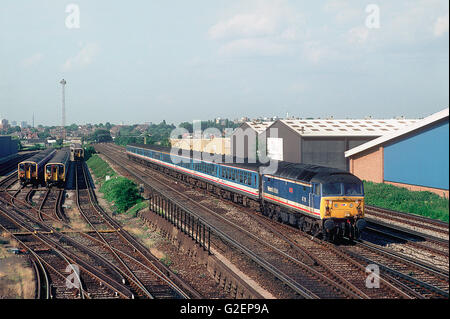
<point x="415" y="157"/>
<point x="244" y="139"/>
<point x="324" y="141"/>
<point x="216" y="145"/>
<point x="8" y="148"/>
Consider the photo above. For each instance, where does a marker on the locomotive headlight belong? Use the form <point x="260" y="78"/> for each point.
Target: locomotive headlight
<point x="336" y="205"/>
<point x="351" y="205"/>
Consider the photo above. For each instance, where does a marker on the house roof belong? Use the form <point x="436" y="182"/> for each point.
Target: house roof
<point x="400" y="132"/>
<point x="335" y="127"/>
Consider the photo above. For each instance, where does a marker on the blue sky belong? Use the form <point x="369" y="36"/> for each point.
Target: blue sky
<point x="141" y="61"/>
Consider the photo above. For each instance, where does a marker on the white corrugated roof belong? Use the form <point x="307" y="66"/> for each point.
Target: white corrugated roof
<point x="259" y="127"/>
<point x="332" y="127"/>
<point x="389" y="136"/>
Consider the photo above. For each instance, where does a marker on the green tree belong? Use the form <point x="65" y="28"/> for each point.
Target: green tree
<point x="100" y="136"/>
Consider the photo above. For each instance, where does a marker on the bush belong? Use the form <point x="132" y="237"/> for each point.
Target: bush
<point x="122" y="193"/>
<point x="88" y="152"/>
<point x="401" y="199"/>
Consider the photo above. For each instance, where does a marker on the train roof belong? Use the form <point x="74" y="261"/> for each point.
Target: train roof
<point x="40" y="156"/>
<point x="293" y="171"/>
<point x="75" y="145"/>
<point x="235" y="162"/>
<point x="61" y="156"/>
<point x="314" y="173"/>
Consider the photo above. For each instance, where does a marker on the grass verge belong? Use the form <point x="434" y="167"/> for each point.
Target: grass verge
<point x="100" y="168"/>
<point x="401" y="199"/>
<point x="119" y="191"/>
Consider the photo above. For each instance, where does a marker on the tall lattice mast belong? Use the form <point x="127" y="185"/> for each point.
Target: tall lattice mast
<point x="63" y="129"/>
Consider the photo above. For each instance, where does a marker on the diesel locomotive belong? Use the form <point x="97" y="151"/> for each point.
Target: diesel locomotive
<point x="323" y="201"/>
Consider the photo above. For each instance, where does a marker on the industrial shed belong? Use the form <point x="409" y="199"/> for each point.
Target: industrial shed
<point x="324" y="141"/>
<point x="415" y="157"/>
<point x="243" y="140"/>
<point x="8" y="147"/>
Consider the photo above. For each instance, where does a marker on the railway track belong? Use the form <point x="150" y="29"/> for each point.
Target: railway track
<point x="51" y="204"/>
<point x="431" y="248"/>
<point x="143" y="273"/>
<point x="82" y="248"/>
<point x="412" y="287"/>
<point x="57" y="261"/>
<point x="409" y="223"/>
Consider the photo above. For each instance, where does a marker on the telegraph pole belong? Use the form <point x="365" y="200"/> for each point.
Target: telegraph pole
<point x="63" y="132"/>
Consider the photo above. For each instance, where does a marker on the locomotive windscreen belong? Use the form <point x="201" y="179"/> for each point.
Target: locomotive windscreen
<point x="342" y="189"/>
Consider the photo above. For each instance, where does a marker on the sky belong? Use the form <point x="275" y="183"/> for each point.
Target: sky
<point x="174" y="60"/>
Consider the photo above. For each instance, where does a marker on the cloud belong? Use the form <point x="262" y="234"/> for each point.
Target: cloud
<point x="358" y="35"/>
<point x="265" y="28"/>
<point x="253" y="46"/>
<point x="440" y="26"/>
<point x="84" y="57"/>
<point x="32" y="60"/>
<point x="244" y="25"/>
<point x="314" y="51"/>
<point x="343" y="11"/>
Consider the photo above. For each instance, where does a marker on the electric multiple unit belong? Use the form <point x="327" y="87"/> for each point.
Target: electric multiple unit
<point x="76" y="152"/>
<point x="56" y="168"/>
<point x="31" y="171"/>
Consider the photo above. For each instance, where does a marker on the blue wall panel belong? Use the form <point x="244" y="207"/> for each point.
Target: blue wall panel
<point x="420" y="159"/>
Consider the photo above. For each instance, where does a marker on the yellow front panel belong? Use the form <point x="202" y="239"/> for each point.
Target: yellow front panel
<point x="342" y="207"/>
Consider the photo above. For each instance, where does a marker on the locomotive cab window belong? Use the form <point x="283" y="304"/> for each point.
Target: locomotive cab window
<point x="353" y="189"/>
<point x="330" y="189"/>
